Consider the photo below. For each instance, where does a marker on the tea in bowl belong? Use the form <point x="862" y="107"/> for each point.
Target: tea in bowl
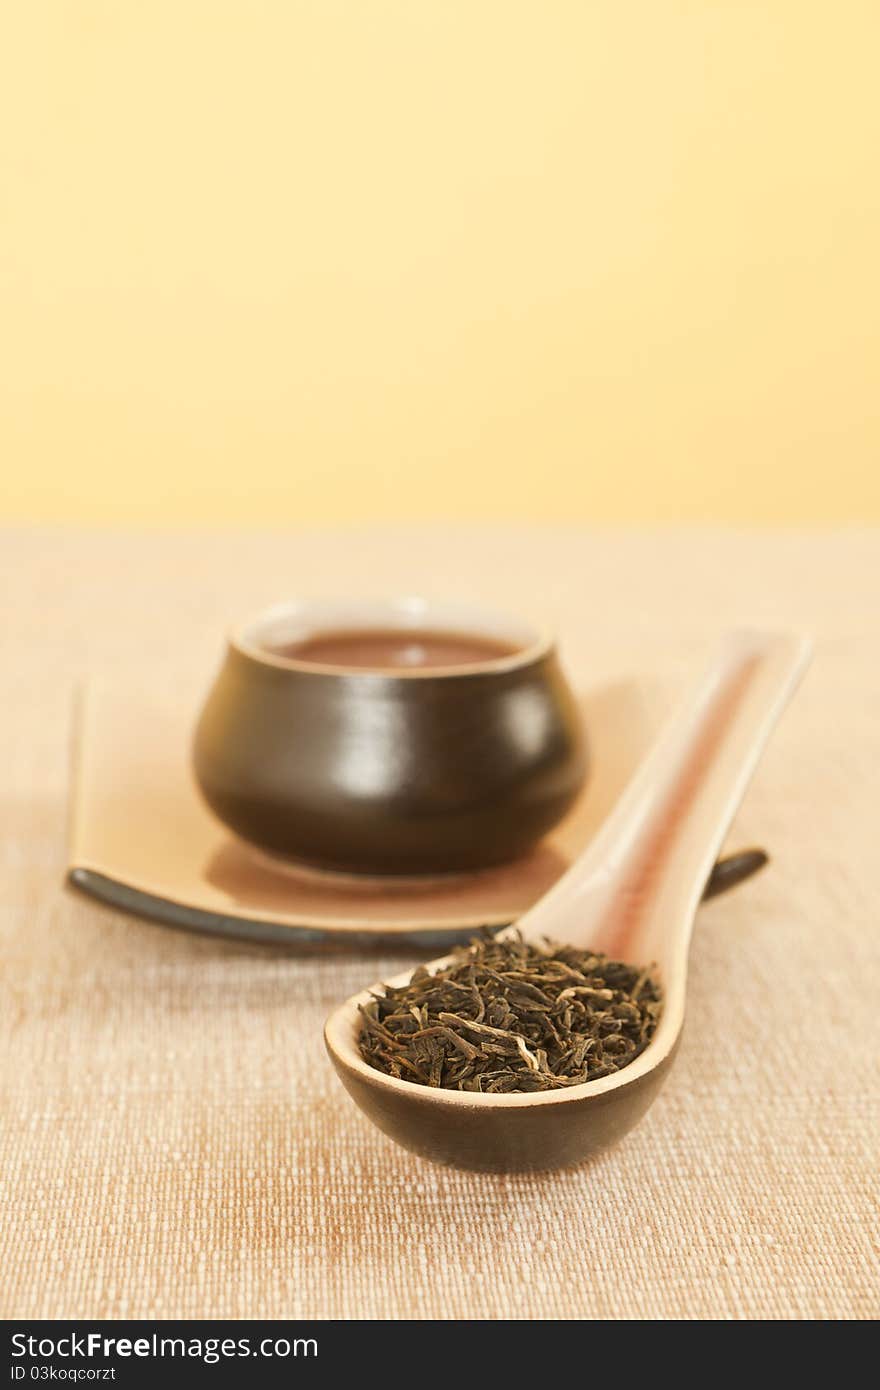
<point x="396" y="737"/>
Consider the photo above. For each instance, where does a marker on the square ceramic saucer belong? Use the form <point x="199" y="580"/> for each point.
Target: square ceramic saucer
<point x="142" y="840"/>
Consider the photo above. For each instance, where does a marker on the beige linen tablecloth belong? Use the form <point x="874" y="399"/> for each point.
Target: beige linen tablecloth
<point x="173" y="1141"/>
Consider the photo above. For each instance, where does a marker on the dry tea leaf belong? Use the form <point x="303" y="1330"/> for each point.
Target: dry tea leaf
<point x="509" y="1016"/>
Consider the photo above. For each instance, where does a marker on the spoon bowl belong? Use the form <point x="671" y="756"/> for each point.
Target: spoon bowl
<point x="632" y="895"/>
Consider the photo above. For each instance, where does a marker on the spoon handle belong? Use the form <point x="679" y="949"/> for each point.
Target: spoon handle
<point x="654" y="853"/>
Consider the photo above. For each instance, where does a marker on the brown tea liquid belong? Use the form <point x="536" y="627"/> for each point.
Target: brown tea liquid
<point x="390" y="648"/>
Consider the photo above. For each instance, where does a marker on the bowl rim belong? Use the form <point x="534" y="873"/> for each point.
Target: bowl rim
<point x="403" y="611"/>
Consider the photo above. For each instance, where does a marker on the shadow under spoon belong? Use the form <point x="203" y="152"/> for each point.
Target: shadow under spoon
<point x="633" y="895"/>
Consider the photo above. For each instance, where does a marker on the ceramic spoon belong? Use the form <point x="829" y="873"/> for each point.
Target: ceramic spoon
<point x="632" y="894"/>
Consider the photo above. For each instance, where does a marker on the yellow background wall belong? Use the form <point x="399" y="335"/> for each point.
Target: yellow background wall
<point x="283" y="261"/>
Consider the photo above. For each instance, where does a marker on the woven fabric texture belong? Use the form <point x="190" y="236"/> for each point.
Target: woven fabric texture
<point x="174" y="1143"/>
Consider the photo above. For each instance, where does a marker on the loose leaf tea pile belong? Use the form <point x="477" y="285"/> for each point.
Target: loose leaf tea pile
<point x="507" y="1016"/>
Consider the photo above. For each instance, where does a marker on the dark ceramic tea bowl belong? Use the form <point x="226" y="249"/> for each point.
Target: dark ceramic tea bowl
<point x="406" y="771"/>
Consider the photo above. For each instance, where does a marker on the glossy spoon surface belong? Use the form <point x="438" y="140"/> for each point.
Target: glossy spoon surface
<point x="632" y="894"/>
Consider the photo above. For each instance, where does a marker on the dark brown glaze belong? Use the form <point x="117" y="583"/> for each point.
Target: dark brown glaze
<point x="387" y="774"/>
<point x="504" y="1139"/>
<point x="734" y="869"/>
